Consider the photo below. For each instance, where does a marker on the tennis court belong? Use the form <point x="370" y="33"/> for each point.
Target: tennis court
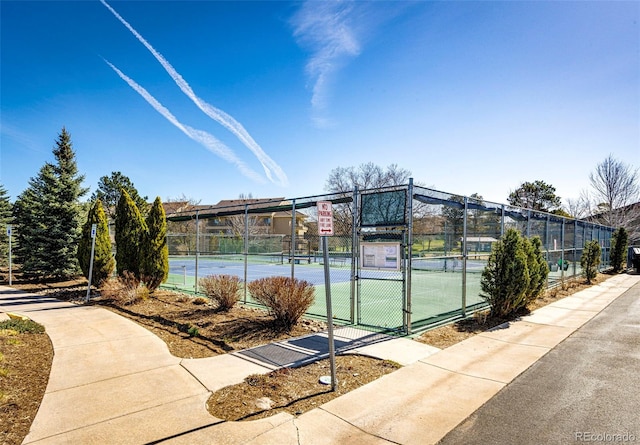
<point x="436" y="285"/>
<point x="448" y="237"/>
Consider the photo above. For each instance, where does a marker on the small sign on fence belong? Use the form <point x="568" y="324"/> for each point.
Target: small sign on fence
<point x="325" y="218"/>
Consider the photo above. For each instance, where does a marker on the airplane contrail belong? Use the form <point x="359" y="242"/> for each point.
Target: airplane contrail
<point x="214" y="113"/>
<point x="202" y="137"/>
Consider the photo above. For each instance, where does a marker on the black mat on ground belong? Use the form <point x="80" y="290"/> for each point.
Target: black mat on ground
<point x="302" y="350"/>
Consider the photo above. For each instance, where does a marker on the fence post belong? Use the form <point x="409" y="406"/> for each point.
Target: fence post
<point x="246" y="248"/>
<point x="464" y="257"/>
<point x="410" y="255"/>
<point x="292" y="253"/>
<point x="355" y="253"/>
<point x="562" y="274"/>
<point x="197" y="248"/>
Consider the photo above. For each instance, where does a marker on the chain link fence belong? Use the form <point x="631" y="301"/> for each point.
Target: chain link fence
<point x="401" y="258"/>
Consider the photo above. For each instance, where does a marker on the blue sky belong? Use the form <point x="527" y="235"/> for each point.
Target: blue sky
<point x="210" y="100"/>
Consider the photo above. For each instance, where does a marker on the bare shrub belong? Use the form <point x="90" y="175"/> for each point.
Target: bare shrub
<point x="199" y="301"/>
<point x="125" y="290"/>
<point x="287" y="298"/>
<point x="223" y="289"/>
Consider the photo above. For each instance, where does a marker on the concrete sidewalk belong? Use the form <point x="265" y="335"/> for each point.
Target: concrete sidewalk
<point x="114" y="382"/>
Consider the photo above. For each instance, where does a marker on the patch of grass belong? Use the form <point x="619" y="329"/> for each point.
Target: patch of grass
<point x="4" y="372"/>
<point x="22" y="326"/>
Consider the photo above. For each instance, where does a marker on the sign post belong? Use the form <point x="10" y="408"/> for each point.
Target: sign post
<point x="93" y="247"/>
<point x="9" y="235"/>
<point x="325" y="229"/>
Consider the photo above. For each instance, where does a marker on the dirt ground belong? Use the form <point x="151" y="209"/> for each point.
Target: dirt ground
<point x="25" y="361"/>
<point x="448" y="335"/>
<point x="193" y="328"/>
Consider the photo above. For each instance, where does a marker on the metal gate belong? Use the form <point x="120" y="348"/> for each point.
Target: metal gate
<point x="382" y="260"/>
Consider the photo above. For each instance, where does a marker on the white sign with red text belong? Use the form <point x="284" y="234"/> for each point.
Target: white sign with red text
<point x="325" y="218"/>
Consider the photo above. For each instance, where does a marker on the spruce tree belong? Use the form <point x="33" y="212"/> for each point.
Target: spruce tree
<point x="505" y="280"/>
<point x="64" y="210"/>
<point x="155" y="252"/>
<point x="109" y="188"/>
<point x="47" y="216"/>
<point x="130" y="232"/>
<point x="5" y="220"/>
<point x="103" y="261"/>
<point x="619" y="245"/>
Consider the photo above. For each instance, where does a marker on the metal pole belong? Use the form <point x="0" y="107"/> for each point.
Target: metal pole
<point x="197" y="248"/>
<point x="93" y="247"/>
<point x="327" y="286"/>
<point x="9" y="235"/>
<point x="464" y="257"/>
<point x="562" y="251"/>
<point x="409" y="259"/>
<point x="575" y="247"/>
<point x="246" y="248"/>
<point x="354" y="253"/>
<point x="292" y="249"/>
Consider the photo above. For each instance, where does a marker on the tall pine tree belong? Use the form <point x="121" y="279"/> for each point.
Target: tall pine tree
<point x="619" y="246"/>
<point x="103" y="261"/>
<point x="47" y="216"/>
<point x="155" y="252"/>
<point x="130" y="233"/>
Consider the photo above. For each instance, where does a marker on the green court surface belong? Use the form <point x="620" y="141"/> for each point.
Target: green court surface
<point x="433" y="296"/>
<point x="436" y="292"/>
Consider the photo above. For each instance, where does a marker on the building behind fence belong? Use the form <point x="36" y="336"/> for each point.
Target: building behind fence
<point x="401" y="258"/>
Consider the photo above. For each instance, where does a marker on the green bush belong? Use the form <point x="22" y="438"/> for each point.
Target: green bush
<point x="287" y="298"/>
<point x="538" y="268"/>
<point x="223" y="289"/>
<point x="103" y="261"/>
<point x="22" y="326"/>
<point x="130" y="233"/>
<point x="154" y="251"/>
<point x="590" y="260"/>
<point x="506" y="279"/>
<point x="619" y="245"/>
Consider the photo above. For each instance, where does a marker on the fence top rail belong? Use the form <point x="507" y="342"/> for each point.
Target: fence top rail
<point x="423" y="194"/>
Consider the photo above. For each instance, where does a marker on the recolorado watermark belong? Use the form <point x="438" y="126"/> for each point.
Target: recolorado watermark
<point x="604" y="437"/>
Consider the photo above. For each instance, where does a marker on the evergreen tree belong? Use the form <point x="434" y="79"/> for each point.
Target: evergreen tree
<point x="619" y="245"/>
<point x="537" y="195"/>
<point x="130" y="232"/>
<point x="47" y="215"/>
<point x="5" y="219"/>
<point x="590" y="260"/>
<point x="103" y="261"/>
<point x="65" y="209"/>
<point x="538" y="268"/>
<point x="155" y="252"/>
<point x="505" y="280"/>
<point x="108" y="192"/>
